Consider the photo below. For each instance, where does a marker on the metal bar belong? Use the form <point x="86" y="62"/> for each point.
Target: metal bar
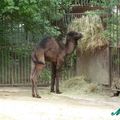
<point x="110" y="66"/>
<point x="2" y="68"/>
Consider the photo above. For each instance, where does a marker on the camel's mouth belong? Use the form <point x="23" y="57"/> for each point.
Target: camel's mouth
<point x="81" y="35"/>
<point x="73" y="35"/>
<point x="78" y="36"/>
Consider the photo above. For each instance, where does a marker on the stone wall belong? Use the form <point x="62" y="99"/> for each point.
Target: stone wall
<point x="94" y="66"/>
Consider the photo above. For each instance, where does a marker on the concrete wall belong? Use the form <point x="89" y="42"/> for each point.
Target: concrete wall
<point x="94" y="66"/>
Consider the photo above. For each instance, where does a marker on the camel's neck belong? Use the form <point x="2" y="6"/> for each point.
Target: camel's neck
<point x="69" y="47"/>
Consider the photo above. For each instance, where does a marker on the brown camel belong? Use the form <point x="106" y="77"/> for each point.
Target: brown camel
<point x="50" y="50"/>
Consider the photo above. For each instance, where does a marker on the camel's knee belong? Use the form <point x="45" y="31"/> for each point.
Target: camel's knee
<point x="39" y="67"/>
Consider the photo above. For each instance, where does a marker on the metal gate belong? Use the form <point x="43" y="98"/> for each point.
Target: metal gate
<point x="15" y="51"/>
<point x="14" y="67"/>
<point x="115" y="48"/>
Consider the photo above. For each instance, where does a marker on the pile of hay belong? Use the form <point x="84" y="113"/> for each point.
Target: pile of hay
<point x="93" y="32"/>
<point x="80" y="85"/>
<point x="115" y="83"/>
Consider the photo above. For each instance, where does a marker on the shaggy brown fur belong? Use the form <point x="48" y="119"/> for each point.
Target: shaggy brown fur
<point x="49" y="50"/>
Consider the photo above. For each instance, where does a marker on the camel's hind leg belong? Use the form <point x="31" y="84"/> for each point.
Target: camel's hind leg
<point x="36" y="69"/>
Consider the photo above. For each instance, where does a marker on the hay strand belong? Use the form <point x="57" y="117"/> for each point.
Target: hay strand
<point x="92" y="30"/>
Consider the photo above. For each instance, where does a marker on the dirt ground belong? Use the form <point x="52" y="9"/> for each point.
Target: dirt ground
<point x="17" y="104"/>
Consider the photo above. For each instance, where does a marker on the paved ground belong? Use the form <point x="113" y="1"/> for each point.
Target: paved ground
<point x="17" y="104"/>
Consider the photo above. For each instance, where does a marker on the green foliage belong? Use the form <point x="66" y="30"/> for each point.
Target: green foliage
<point x="113" y="29"/>
<point x="70" y="61"/>
<point x="22" y="50"/>
<point x="45" y="75"/>
<point x="21" y="20"/>
<point x="105" y="3"/>
<point x="38" y="16"/>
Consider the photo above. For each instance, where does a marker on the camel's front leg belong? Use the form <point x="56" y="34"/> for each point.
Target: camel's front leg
<point x="57" y="82"/>
<point x="58" y="76"/>
<point x="53" y="77"/>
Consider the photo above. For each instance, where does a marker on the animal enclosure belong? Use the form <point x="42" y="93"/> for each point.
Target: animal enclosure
<point x="16" y="44"/>
<point x="101" y="65"/>
<point x="15" y="50"/>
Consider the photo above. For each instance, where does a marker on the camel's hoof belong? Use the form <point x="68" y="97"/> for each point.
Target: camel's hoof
<point x="58" y="92"/>
<point x="33" y="95"/>
<point x="37" y="96"/>
<point x="52" y="91"/>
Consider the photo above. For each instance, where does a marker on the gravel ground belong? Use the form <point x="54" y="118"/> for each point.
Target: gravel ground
<point x="17" y="104"/>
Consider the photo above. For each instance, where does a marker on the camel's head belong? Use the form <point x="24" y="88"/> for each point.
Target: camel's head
<point x="74" y="36"/>
<point x="72" y="40"/>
